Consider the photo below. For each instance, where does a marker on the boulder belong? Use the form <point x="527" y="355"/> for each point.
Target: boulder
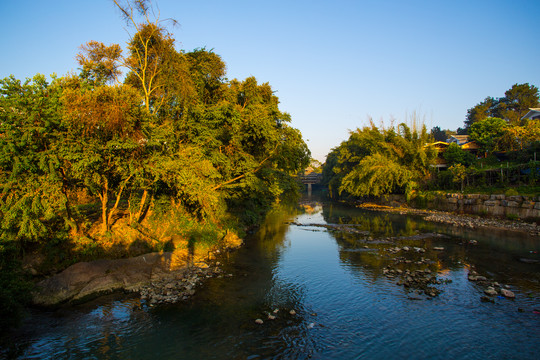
<point x="85" y="280"/>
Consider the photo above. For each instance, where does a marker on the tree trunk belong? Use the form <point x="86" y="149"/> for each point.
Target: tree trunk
<point x="104" y="200"/>
<point x="68" y="204"/>
<point x="118" y="197"/>
<point x="141" y="207"/>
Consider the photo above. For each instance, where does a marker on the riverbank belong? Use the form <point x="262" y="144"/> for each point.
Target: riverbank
<point x="159" y="277"/>
<point x="462" y="220"/>
<point x="361" y="283"/>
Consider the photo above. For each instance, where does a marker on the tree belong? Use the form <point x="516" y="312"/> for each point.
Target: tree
<point x="376" y="161"/>
<point x="105" y="132"/>
<point x="438" y="134"/>
<point x="454" y="154"/>
<point x="100" y="63"/>
<point x="487" y="133"/>
<point x="207" y="71"/>
<point x="518" y="138"/>
<point x="151" y="55"/>
<point x="459" y="173"/>
<point x="33" y="190"/>
<point x="236" y="125"/>
<point x="376" y="175"/>
<point x="480" y="111"/>
<point x="517" y="101"/>
<point x="512" y="107"/>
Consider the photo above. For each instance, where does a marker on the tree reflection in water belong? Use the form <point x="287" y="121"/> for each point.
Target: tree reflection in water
<point x="488" y="251"/>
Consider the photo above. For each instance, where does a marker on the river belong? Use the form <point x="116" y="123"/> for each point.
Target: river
<point x="336" y="292"/>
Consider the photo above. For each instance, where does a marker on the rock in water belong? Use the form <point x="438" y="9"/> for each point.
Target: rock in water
<point x="508" y="293"/>
<point x="259" y="321"/>
<point x="490" y="291"/>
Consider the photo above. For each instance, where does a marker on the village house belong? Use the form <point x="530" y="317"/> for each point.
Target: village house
<point x="533" y="114"/>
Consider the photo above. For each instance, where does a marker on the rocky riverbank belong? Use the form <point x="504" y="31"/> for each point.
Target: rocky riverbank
<point x="179" y="285"/>
<point x="461" y="220"/>
<point x="161" y="277"/>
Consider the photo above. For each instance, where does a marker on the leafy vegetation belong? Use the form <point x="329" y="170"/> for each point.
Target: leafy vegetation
<point x="92" y="164"/>
<point x="511" y="107"/>
<point x="378" y="160"/>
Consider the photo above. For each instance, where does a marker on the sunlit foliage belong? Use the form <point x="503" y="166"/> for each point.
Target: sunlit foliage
<point x="378" y="160"/>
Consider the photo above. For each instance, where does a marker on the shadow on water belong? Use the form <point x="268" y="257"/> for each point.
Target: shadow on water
<point x="361" y="285"/>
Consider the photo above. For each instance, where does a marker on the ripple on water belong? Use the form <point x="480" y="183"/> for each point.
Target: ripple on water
<point x="345" y="307"/>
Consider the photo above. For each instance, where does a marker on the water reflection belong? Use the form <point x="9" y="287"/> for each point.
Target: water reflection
<point x="492" y="252"/>
<point x="343" y="272"/>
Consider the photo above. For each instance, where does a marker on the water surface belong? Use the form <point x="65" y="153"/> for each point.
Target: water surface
<point x="334" y="279"/>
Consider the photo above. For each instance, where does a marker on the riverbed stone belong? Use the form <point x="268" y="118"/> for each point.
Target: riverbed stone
<point x="490" y="291"/>
<point x="507" y="293"/>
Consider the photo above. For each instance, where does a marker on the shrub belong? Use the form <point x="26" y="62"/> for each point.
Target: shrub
<point x="511" y="192"/>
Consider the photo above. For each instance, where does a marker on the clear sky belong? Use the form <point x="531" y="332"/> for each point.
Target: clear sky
<point x="333" y="63"/>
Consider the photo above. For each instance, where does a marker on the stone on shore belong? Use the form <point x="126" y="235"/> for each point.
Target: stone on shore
<point x="85" y="280"/>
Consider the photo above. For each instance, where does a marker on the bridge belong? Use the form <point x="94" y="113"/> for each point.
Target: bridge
<point x="310" y="179"/>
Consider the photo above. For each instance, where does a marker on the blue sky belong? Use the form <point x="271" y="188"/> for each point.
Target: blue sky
<point x="333" y="64"/>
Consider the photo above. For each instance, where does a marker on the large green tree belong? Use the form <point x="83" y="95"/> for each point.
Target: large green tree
<point x="487" y="133"/>
<point x="33" y="188"/>
<point x="377" y="161"/>
<point x="512" y="107"/>
<point x="518" y="100"/>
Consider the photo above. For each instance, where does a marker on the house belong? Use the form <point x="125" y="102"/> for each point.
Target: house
<point x="533" y="114"/>
<point x="458" y="139"/>
<point x="464" y="143"/>
<point x="440" y="147"/>
<point x="471" y="146"/>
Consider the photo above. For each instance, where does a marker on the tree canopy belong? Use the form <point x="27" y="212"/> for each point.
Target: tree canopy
<point x="174" y="129"/>
<point x="378" y="160"/>
<point x="511" y="107"/>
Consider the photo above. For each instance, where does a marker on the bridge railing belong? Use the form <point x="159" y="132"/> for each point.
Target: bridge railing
<point x="312" y="178"/>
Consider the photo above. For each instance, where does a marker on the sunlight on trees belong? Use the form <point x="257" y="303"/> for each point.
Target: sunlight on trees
<point x="376" y="160"/>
